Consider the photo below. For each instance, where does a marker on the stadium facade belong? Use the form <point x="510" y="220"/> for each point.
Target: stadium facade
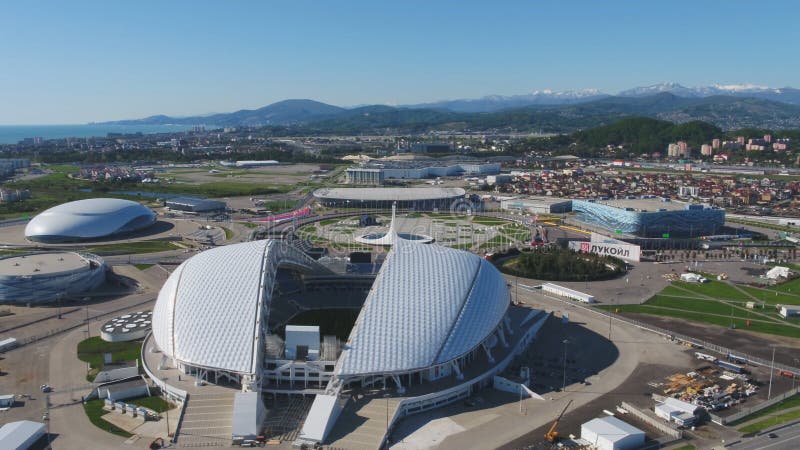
<point x="651" y="218"/>
<point x="87" y="220"/>
<point x="377" y="173"/>
<point x="432" y="314"/>
<point x="48" y="277"/>
<point x="419" y="199"/>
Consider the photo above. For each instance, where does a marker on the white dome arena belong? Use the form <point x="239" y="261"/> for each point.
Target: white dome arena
<point x="89" y="219"/>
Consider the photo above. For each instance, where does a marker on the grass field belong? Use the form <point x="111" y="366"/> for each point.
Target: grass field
<point x="154" y="403"/>
<point x="771" y="421"/>
<point x="134" y="247"/>
<point x="143" y="266"/>
<point x="772" y="297"/>
<point x="91" y="351"/>
<point x="720" y="320"/>
<point x="791" y="402"/>
<point x="228" y="233"/>
<point x="715" y="289"/>
<point x="489" y="221"/>
<point x="94" y="411"/>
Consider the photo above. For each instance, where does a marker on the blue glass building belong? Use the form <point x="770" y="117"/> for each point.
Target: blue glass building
<point x="656" y="219"/>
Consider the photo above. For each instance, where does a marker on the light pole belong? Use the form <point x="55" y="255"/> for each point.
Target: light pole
<point x="771" y="372"/>
<point x="564" y="383"/>
<point x="386" y="396"/>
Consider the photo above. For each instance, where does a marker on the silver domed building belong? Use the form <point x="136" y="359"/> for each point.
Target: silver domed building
<point x="90" y="219"/>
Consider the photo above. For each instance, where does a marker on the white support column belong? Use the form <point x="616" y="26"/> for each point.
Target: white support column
<point x="502" y="336"/>
<point x="400" y="388"/>
<point x="457" y="370"/>
<point x="507" y="323"/>
<point x="488" y="352"/>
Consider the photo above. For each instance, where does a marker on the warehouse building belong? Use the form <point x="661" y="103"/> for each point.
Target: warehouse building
<point x="610" y="433"/>
<point x="21" y="435"/>
<point x="195" y="205"/>
<point x="537" y="205"/>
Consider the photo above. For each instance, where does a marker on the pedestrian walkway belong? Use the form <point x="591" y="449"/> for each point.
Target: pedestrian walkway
<point x="363" y="422"/>
<point x="207" y="420"/>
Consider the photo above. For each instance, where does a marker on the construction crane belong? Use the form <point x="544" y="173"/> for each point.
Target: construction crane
<point x="552" y="434"/>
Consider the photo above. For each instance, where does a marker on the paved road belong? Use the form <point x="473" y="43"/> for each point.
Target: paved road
<point x="788" y="439"/>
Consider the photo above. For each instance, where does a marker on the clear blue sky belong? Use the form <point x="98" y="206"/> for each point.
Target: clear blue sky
<point x="73" y="62"/>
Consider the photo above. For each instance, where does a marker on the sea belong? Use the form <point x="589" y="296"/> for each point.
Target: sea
<point x="11" y="134"/>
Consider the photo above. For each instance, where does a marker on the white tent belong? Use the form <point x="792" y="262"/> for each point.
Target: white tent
<point x="778" y="272"/>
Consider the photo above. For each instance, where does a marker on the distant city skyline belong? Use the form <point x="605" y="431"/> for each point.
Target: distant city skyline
<point x="70" y="63"/>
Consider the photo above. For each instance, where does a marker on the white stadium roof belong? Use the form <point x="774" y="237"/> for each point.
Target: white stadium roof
<point x="89" y="219"/>
<point x="388" y="194"/>
<point x="429" y="305"/>
<point x="207" y="312"/>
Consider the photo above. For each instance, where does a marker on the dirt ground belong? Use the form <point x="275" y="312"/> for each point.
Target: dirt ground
<point x="756" y="344"/>
<point x="282" y="174"/>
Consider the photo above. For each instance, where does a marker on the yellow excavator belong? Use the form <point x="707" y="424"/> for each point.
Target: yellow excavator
<point x="552" y="434"/>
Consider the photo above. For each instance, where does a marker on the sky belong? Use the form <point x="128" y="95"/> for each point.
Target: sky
<point x="80" y="61"/>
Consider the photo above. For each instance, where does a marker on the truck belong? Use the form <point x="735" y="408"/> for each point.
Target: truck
<point x="735" y="368"/>
<point x="705" y="357"/>
<point x="736" y="359"/>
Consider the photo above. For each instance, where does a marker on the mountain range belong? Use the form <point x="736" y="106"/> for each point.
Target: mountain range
<point x="727" y="106"/>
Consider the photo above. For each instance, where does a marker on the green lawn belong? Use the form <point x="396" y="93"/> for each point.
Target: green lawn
<point x="772" y="297"/>
<point x="771" y="421"/>
<point x="249" y="224"/>
<point x="489" y="221"/>
<point x="154" y="403"/>
<point x="791" y="402"/>
<point x="91" y="351"/>
<point x="143" y="266"/>
<point x="672" y="290"/>
<point x="715" y="289"/>
<point x="134" y="247"/>
<point x="228" y="233"/>
<point x="94" y="410"/>
<point x="790" y="286"/>
<point x="687" y="304"/>
<point x="723" y="321"/>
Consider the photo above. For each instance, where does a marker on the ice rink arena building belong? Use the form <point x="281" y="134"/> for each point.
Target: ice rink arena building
<point x="88" y="220"/>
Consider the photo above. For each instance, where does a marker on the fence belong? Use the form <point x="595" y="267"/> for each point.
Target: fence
<point x="748" y="411"/>
<point x="660" y="425"/>
<point x="54" y="331"/>
<point x="754" y="360"/>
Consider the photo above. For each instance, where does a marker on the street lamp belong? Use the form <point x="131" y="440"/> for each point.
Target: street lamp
<point x="771" y="372"/>
<point x="564" y="383"/>
<point x="386" y="396"/>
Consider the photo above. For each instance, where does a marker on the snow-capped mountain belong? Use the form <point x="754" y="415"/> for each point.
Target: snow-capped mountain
<point x="784" y="95"/>
<point x="491" y="103"/>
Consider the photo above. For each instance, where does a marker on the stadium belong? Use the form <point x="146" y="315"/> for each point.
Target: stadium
<point x="87" y="220"/>
<point x="650" y="217"/>
<point x="47" y="277"/>
<point x="433" y="325"/>
<point x="418" y="199"/>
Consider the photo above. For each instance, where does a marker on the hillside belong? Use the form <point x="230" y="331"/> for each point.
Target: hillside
<point x="308" y="116"/>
